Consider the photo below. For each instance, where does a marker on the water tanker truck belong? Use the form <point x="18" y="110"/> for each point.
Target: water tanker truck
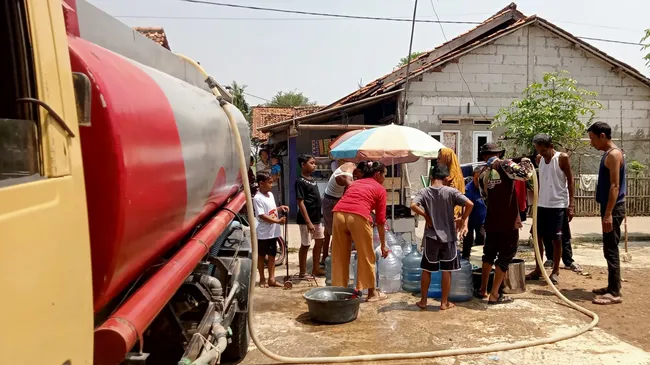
<point x="121" y="191"/>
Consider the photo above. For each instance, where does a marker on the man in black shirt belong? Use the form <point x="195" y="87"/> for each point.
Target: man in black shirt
<point x="309" y="218"/>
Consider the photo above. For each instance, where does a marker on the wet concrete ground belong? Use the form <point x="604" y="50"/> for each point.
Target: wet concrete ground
<point x="396" y="325"/>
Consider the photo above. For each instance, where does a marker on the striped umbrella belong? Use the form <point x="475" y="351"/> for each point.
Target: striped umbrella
<point x="389" y="144"/>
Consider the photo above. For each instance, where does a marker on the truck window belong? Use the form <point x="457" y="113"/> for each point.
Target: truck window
<point x="20" y="156"/>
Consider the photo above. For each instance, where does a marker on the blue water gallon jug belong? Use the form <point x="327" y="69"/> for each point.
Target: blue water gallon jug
<point x="435" y="288"/>
<point x="461" y="283"/>
<point x="411" y="271"/>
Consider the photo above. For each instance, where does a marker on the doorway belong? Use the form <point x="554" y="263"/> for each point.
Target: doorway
<point x="479" y="138"/>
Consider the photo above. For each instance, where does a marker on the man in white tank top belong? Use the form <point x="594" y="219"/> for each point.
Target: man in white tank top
<point x="554" y="202"/>
<point x="342" y="177"/>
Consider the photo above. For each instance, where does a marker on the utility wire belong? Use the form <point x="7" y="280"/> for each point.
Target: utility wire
<point x="331" y="15"/>
<point x="457" y="64"/>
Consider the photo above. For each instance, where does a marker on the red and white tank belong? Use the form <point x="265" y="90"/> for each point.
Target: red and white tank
<point x="158" y="156"/>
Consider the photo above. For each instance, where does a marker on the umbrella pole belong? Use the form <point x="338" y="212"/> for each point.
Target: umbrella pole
<point x="392" y="197"/>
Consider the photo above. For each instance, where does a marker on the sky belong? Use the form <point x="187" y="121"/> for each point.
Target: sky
<point x="328" y="58"/>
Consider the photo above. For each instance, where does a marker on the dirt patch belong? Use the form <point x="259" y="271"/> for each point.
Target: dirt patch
<point x="626" y="320"/>
<point x="398" y="326"/>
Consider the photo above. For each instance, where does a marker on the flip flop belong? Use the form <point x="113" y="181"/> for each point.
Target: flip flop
<point x="574" y="267"/>
<point x="378" y="297"/>
<point x="607" y="299"/>
<point x="554" y="279"/>
<point x="600" y="291"/>
<point x="501" y="300"/>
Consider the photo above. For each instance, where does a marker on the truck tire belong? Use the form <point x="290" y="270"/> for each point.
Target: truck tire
<point x="237" y="349"/>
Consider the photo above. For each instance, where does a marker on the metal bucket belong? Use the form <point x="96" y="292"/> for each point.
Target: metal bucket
<point x="339" y="306"/>
<point x="515" y="280"/>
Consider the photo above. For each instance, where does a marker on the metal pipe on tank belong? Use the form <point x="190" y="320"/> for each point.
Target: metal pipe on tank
<point x="115" y="337"/>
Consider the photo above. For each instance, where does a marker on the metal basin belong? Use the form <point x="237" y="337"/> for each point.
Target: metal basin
<point x="515" y="280"/>
<point x="337" y="306"/>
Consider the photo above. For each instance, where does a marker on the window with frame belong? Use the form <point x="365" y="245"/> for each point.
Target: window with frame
<point x="20" y="157"/>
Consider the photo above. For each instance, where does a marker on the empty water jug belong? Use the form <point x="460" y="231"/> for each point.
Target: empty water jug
<point x="397" y="250"/>
<point x="411" y="271"/>
<point x="390" y="273"/>
<point x="461" y="282"/>
<point x="407" y="247"/>
<point x="352" y="272"/>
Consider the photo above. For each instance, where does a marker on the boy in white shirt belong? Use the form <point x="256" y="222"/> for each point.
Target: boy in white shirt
<point x="268" y="227"/>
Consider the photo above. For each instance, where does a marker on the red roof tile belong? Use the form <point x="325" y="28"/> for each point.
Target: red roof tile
<point x="263" y="115"/>
<point x="156" y="34"/>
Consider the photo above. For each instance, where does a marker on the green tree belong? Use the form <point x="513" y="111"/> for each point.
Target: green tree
<point x="290" y="99"/>
<point x="646" y="46"/>
<point x="556" y="106"/>
<point x="403" y="61"/>
<point x="239" y="100"/>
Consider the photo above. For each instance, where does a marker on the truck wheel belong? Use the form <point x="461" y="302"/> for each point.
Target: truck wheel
<point x="236" y="351"/>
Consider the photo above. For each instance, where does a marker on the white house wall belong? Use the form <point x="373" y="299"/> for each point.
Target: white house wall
<point x="497" y="73"/>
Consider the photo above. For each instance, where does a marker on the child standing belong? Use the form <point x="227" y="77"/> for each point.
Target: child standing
<point x="477" y="218"/>
<point x="275" y="174"/>
<point x="309" y="217"/>
<point x="436" y="204"/>
<point x="268" y="227"/>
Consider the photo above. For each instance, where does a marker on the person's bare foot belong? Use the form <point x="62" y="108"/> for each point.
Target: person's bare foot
<point x="274" y="284"/>
<point x="263" y="284"/>
<point x="318" y="272"/>
<point x="422" y="305"/>
<point x="445" y="306"/>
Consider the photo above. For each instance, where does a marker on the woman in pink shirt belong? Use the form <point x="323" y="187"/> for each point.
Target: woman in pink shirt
<point x="353" y="222"/>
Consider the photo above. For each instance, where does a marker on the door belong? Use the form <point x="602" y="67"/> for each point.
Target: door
<point x="479" y="138"/>
<point x="45" y="270"/>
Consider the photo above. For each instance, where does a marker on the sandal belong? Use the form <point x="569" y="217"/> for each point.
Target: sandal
<point x="601" y="291"/>
<point x="378" y="297"/>
<point x="554" y="279"/>
<point x="574" y="267"/>
<point x="607" y="299"/>
<point x="501" y="300"/>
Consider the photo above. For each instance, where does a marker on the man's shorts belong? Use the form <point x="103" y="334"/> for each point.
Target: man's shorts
<point x="328" y="215"/>
<point x="439" y="256"/>
<point x="306" y="237"/>
<point x="500" y="248"/>
<point x="267" y="247"/>
<point x="549" y="222"/>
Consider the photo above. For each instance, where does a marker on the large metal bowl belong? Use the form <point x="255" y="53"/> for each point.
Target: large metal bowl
<point x="335" y="307"/>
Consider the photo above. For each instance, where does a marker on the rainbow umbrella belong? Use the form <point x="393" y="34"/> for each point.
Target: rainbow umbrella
<point x="390" y="144"/>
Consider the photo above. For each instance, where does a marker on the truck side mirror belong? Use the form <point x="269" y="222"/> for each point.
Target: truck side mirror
<point x="82" y="89"/>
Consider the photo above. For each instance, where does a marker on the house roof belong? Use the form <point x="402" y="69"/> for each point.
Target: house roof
<point x="265" y="115"/>
<point x="504" y="22"/>
<point x="156" y="34"/>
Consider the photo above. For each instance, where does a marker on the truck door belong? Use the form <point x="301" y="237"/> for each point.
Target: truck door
<point x="45" y="272"/>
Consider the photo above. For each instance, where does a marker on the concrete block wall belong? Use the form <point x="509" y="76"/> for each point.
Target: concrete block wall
<point x="497" y="73"/>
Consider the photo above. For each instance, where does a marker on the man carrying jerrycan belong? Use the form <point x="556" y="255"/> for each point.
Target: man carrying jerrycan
<point x="502" y="222"/>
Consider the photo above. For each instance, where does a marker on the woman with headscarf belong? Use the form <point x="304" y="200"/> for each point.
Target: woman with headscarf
<point x="447" y="157"/>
